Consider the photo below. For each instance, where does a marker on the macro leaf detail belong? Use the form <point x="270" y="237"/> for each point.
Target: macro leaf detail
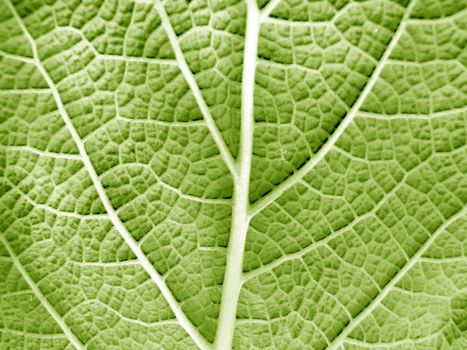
<point x="233" y="174"/>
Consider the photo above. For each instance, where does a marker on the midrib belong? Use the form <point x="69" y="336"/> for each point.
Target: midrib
<point x="240" y="219"/>
<point x="241" y="213"/>
<point x="241" y="209"/>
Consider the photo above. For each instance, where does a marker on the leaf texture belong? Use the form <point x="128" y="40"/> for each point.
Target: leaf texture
<point x="228" y="174"/>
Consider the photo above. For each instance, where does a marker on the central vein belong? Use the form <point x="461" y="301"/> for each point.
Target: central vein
<point x="240" y="219"/>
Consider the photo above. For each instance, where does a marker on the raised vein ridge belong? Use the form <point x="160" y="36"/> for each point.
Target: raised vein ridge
<point x="340" y="339"/>
<point x="240" y="220"/>
<point x="263" y="202"/>
<point x="144" y="261"/>
<point x="211" y="124"/>
<point x="41" y="297"/>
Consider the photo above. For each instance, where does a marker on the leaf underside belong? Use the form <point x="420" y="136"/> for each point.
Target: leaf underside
<point x="228" y="174"/>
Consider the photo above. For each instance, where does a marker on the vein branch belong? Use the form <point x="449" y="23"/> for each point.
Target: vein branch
<point x="324" y="241"/>
<point x="269" y="8"/>
<point x="41" y="297"/>
<point x="340" y="339"/>
<point x="323" y="151"/>
<point x="42" y="153"/>
<point x="132" y="243"/>
<point x="189" y="77"/>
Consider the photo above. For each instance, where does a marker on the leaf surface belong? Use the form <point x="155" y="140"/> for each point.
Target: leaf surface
<point x="230" y="174"/>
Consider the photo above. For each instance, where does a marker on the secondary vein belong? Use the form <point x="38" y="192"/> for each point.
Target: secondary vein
<point x="337" y="342"/>
<point x="189" y="77"/>
<point x="41" y="297"/>
<point x="118" y="224"/>
<point x="323" y="151"/>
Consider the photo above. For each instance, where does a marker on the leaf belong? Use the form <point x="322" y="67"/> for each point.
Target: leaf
<point x="228" y="174"/>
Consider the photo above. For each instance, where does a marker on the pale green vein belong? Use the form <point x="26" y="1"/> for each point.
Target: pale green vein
<point x="189" y="77"/>
<point x="299" y="254"/>
<point x="16" y="57"/>
<point x="323" y="151"/>
<point x="240" y="220"/>
<point x="341" y="338"/>
<point x="409" y="116"/>
<point x="42" y="153"/>
<point x="41" y="297"/>
<point x="147" y="265"/>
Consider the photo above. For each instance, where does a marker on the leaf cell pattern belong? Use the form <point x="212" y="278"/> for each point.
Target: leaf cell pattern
<point x="233" y="174"/>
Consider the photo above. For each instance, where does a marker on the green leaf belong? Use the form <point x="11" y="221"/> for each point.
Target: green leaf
<point x="232" y="174"/>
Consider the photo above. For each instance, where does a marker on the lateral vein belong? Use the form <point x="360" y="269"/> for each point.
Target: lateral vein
<point x="42" y="153"/>
<point x="41" y="297"/>
<point x="337" y="342"/>
<point x="211" y="124"/>
<point x="147" y="265"/>
<point x="324" y="241"/>
<point x="269" y="8"/>
<point x="323" y="151"/>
